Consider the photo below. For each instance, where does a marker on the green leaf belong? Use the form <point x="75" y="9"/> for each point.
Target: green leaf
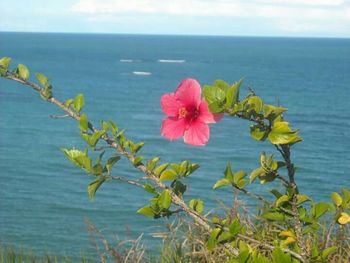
<point x="160" y="169"/>
<point x="114" y="127"/>
<point x="275" y="193"/>
<point x="97" y="169"/>
<point x="225" y="236"/>
<point x="110" y="163"/>
<point x="228" y="172"/>
<point x="78" y="102"/>
<point x="83" y="123"/>
<point x="168" y="175"/>
<point x="281" y="133"/>
<point x="151" y="164"/>
<point x="232" y="94"/>
<point x="22" y="71"/>
<point x="281" y="200"/>
<point x="215" y="97"/>
<point x="94" y="138"/>
<point x="105" y="126"/>
<point x="138" y="160"/>
<point x="329" y="250"/>
<point x="337" y="200"/>
<point x="271" y="112"/>
<point x="165" y="199"/>
<point x="235" y="227"/>
<point x="241" y="183"/>
<point x="279" y="257"/>
<point x="346" y="194"/>
<point x="197" y="205"/>
<point x="221" y="183"/>
<point x="274" y="216"/>
<point x="79" y="158"/>
<point x="319" y="209"/>
<point x="93" y="186"/>
<point x="43" y="80"/>
<point x="258" y="132"/>
<point x="149" y="188"/>
<point x="4" y="65"/>
<point x="68" y="102"/>
<point x="136" y="147"/>
<point x="146" y="211"/>
<point x="254" y="103"/>
<point x="257" y="172"/>
<point x="302" y="199"/>
<point x="238" y="176"/>
<point x="46" y="93"/>
<point x="179" y="188"/>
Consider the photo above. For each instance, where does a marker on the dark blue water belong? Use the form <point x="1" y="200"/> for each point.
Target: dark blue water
<point x="43" y="198"/>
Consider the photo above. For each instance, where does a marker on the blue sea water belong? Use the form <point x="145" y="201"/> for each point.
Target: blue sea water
<point x="43" y="197"/>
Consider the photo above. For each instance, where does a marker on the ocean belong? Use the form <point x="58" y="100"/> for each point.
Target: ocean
<point x="43" y="197"/>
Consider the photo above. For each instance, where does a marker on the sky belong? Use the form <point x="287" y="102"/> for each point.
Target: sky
<point x="302" y="18"/>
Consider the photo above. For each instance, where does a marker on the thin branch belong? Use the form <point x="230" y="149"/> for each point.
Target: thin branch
<point x="199" y="219"/>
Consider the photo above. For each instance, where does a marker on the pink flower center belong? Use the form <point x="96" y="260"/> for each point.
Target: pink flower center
<point x="183" y="112"/>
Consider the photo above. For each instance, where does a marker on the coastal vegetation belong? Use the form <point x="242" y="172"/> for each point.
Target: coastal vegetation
<point x="289" y="227"/>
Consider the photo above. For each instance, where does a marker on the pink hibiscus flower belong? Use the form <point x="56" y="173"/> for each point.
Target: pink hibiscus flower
<point x="187" y="114"/>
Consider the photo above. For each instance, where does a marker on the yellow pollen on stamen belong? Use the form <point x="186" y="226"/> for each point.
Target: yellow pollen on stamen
<point x="183" y="112"/>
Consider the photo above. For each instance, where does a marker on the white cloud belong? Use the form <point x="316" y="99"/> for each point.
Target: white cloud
<point x="291" y="15"/>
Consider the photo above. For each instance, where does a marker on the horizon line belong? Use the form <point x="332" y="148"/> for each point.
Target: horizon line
<point x="170" y="34"/>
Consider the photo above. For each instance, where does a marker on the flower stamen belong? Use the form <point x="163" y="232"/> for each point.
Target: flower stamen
<point x="183" y="112"/>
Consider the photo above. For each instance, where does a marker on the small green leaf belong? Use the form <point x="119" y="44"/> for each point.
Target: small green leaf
<point x="79" y="158"/>
<point x="221" y="183"/>
<point x="22" y="71"/>
<point x="232" y="94"/>
<point x="110" y="163"/>
<point x="197" y="205"/>
<point x="271" y="112"/>
<point x="83" y="123"/>
<point x="114" y="127"/>
<point x="46" y="93"/>
<point x="258" y="132"/>
<point x="68" y="102"/>
<point x="165" y="199"/>
<point x="43" y="80"/>
<point x="302" y="199"/>
<point x="215" y="97"/>
<point x="256" y="173"/>
<point x="136" y="147"/>
<point x="4" y="65"/>
<point x="235" y="227"/>
<point x="151" y="164"/>
<point x="78" y="102"/>
<point x="149" y="188"/>
<point x="138" y="160"/>
<point x="93" y="186"/>
<point x="329" y="250"/>
<point x="146" y="211"/>
<point x="281" y="200"/>
<point x="274" y="216"/>
<point x="168" y="175"/>
<point x="105" y="126"/>
<point x="94" y="138"/>
<point x="281" y="133"/>
<point x="254" y="103"/>
<point x="319" y="209"/>
<point x="160" y="169"/>
<point x="337" y="200"/>
<point x="228" y="172"/>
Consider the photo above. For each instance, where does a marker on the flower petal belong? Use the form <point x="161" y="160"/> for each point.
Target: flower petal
<point x="197" y="134"/>
<point x="173" y="128"/>
<point x="170" y="105"/>
<point x="206" y="116"/>
<point x="189" y="92"/>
